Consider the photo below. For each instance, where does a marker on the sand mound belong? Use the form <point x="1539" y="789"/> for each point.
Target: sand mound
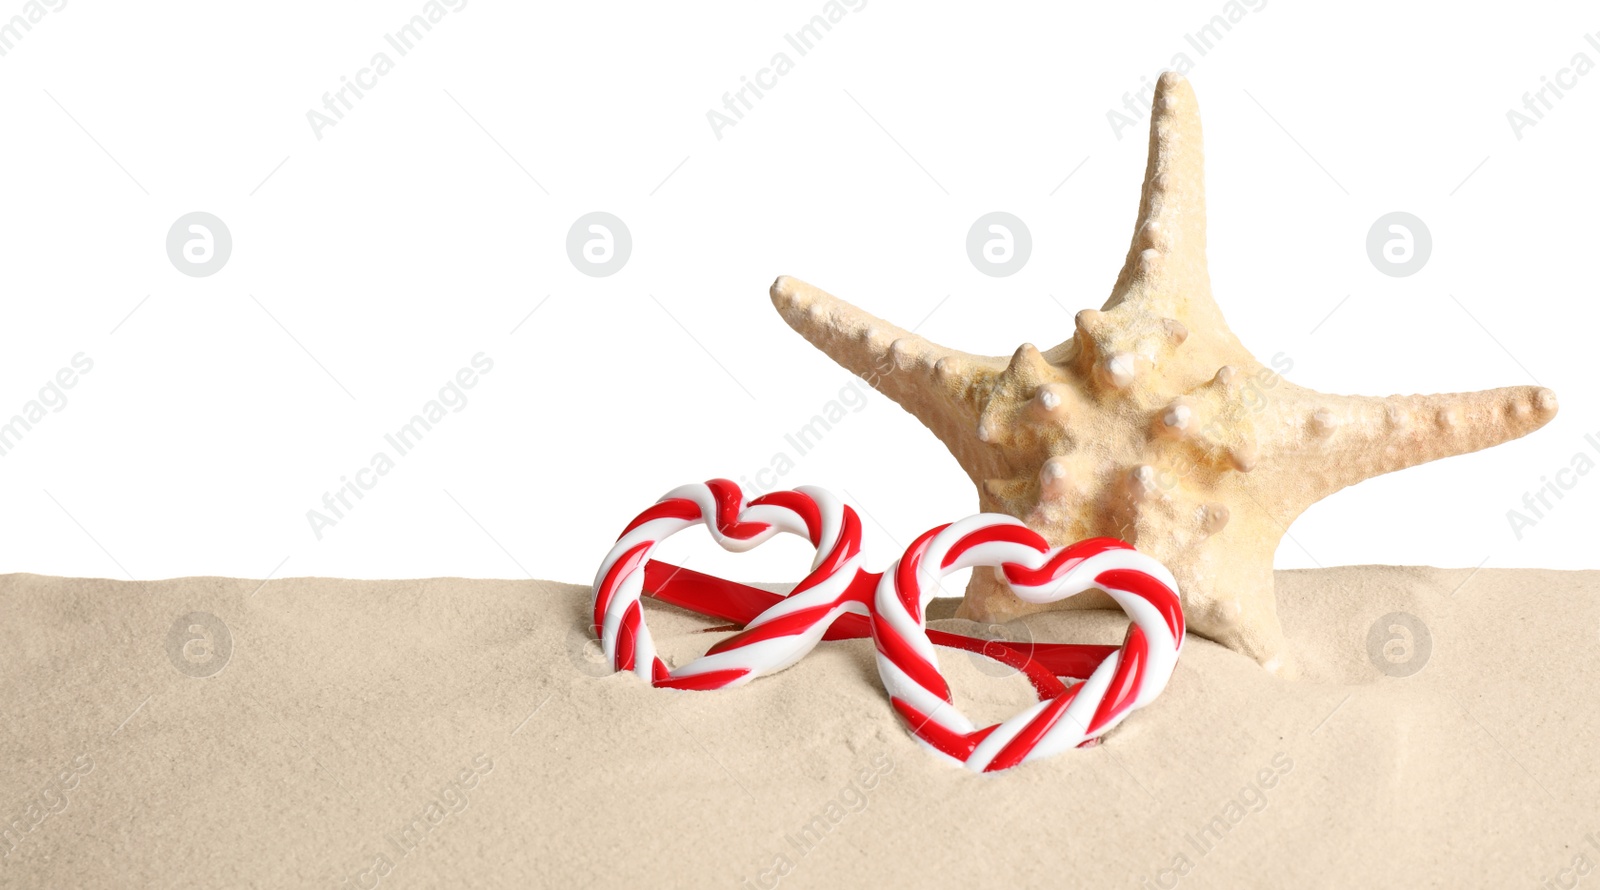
<point x="222" y="732"/>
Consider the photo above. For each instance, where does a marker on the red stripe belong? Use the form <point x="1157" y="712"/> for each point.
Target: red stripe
<point x="732" y="601"/>
<point x="672" y="508"/>
<point x="905" y="577"/>
<point x="1075" y="660"/>
<point x="706" y="594"/>
<point x="787" y="626"/>
<point x="701" y="682"/>
<point x="1148" y="588"/>
<point x="1024" y="741"/>
<point x="1044" y="682"/>
<point x="627" y="633"/>
<point x="904" y="657"/>
<point x="800" y="504"/>
<point x="620" y="569"/>
<point x="728" y="498"/>
<point x="1014" y="534"/>
<point x="1062" y="562"/>
<point x="956" y="744"/>
<point x="1125" y="682"/>
<point x="849" y="627"/>
<point x="849" y="544"/>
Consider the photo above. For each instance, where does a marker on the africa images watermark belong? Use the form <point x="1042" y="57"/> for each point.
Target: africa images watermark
<point x="352" y="89"/>
<point x="1569" y="876"/>
<point x="1535" y="103"/>
<point x="51" y="396"/>
<point x="451" y="399"/>
<point x="850" y="800"/>
<point x="1539" y="502"/>
<point x="802" y="40"/>
<point x="33" y="12"/>
<point x="1250" y="800"/>
<point x="1136" y="105"/>
<point x="851" y="399"/>
<point x="49" y="800"/>
<point x="449" y="800"/>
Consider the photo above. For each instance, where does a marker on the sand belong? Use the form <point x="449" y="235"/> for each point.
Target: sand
<point x="460" y="733"/>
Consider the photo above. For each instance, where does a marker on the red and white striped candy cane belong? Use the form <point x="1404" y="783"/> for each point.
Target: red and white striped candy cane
<point x="773" y="640"/>
<point x="1127" y="679"/>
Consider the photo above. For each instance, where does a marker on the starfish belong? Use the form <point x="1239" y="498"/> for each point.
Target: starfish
<point x="1153" y="423"/>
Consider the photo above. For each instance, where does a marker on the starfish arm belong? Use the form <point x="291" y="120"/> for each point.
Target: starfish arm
<point x="1164" y="288"/>
<point x="1169" y="238"/>
<point x="1343" y="440"/>
<point x="943" y="388"/>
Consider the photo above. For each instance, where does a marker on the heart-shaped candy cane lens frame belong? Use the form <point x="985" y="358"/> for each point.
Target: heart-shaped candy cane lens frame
<point x="1127" y="679"/>
<point x="773" y="640"/>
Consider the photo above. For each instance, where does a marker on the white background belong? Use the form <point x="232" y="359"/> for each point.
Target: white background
<point x="369" y="265"/>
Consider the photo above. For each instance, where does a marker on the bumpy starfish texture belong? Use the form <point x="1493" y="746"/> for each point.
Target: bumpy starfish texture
<point x="1153" y="423"/>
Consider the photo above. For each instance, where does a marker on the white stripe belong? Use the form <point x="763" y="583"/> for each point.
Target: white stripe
<point x="764" y="656"/>
<point x="901" y="686"/>
<point x="1002" y="735"/>
<point x="1073" y="726"/>
<point x="832" y="520"/>
<point x="890" y="611"/>
<point x="827" y="591"/>
<point x="1081" y="576"/>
